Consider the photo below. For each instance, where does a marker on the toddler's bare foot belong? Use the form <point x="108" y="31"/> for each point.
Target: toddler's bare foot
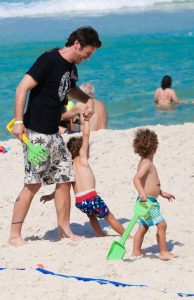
<point x="167" y="256"/>
<point x="136" y="253"/>
<point x="135" y="257"/>
<point x="16" y="242"/>
<point x="101" y="234"/>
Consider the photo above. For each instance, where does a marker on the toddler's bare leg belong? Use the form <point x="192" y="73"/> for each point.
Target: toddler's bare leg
<point x="161" y="239"/>
<point x="138" y="240"/>
<point x="114" y="223"/>
<point x="95" y="225"/>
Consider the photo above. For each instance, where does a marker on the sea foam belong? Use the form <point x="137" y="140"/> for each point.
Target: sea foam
<point x="27" y="8"/>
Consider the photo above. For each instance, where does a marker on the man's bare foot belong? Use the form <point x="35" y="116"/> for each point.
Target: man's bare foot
<point x="74" y="237"/>
<point x="69" y="234"/>
<point x="16" y="242"/>
<point x="46" y="198"/>
<point x="167" y="256"/>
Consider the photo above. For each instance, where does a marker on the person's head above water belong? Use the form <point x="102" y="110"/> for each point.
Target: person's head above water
<point x="88" y="88"/>
<point x="166" y="82"/>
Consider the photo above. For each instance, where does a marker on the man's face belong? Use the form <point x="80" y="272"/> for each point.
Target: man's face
<point x="82" y="53"/>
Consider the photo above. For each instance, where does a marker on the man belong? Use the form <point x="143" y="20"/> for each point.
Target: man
<point x="98" y="120"/>
<point x="50" y="79"/>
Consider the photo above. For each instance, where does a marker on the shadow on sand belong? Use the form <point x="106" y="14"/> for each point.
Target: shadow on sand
<point x="82" y="230"/>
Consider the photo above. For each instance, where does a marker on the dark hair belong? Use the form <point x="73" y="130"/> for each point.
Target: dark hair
<point x="145" y="142"/>
<point x="85" y="36"/>
<point x="166" y="82"/>
<point x="74" y="144"/>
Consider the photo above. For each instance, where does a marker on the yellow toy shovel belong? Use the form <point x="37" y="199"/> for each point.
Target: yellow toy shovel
<point x="36" y="154"/>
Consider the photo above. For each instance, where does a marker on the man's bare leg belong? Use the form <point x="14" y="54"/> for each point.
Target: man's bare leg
<point x="161" y="239"/>
<point x="96" y="226"/>
<point x="63" y="205"/>
<point x="20" y="211"/>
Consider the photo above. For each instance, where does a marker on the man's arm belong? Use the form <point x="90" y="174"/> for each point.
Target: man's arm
<point x="78" y="94"/>
<point x="142" y="171"/>
<point x="26" y="84"/>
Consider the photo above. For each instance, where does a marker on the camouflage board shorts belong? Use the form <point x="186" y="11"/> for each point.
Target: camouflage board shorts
<point x="58" y="166"/>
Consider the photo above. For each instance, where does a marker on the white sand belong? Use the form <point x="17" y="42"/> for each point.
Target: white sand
<point x="114" y="165"/>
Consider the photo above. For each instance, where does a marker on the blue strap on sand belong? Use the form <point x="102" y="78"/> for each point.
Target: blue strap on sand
<point x="98" y="280"/>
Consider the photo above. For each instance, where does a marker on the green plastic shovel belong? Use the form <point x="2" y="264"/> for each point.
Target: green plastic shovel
<point x="37" y="153"/>
<point x="117" y="249"/>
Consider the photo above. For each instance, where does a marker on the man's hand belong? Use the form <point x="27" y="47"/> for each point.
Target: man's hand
<point x="18" y="130"/>
<point x="168" y="196"/>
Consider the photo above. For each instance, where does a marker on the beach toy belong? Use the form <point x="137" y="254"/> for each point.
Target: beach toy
<point x="40" y="266"/>
<point x="36" y="154"/>
<point x="69" y="105"/>
<point x="4" y="149"/>
<point x="117" y="249"/>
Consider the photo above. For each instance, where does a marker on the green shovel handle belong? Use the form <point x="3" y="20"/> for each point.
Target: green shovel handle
<point x="128" y="230"/>
<point x="139" y="212"/>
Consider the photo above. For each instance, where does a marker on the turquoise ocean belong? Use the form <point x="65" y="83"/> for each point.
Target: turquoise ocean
<point x="143" y="40"/>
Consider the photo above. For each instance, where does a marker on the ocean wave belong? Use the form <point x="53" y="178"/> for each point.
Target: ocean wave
<point x="27" y="8"/>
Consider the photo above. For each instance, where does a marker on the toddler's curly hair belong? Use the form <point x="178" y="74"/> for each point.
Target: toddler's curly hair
<point x="145" y="142"/>
<point x="74" y="144"/>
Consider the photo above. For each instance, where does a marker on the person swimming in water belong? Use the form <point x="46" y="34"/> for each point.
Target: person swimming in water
<point x="165" y="96"/>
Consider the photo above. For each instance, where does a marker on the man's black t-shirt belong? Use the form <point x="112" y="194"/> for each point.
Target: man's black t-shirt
<point x="55" y="77"/>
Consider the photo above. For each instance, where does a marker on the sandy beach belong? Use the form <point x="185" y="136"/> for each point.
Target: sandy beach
<point x="114" y="165"/>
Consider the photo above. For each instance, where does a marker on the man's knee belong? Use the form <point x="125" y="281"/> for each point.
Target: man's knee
<point x="33" y="188"/>
<point x="63" y="186"/>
